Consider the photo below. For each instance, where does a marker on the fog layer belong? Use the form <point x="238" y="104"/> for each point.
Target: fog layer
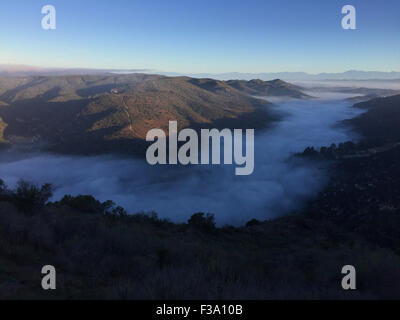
<point x="279" y="184"/>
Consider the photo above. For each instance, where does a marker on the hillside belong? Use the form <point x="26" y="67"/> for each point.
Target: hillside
<point x="268" y="88"/>
<point x="380" y="121"/>
<point x="100" y="113"/>
<point x="100" y="252"/>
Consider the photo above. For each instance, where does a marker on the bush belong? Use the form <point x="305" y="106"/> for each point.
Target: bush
<point x="253" y="222"/>
<point x="84" y="203"/>
<point x="3" y="187"/>
<point x="29" y="197"/>
<point x="119" y="211"/>
<point x="89" y="204"/>
<point x="199" y="221"/>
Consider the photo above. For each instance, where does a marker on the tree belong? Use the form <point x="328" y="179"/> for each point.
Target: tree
<point x="83" y="203"/>
<point x="3" y="187"/>
<point x="30" y="197"/>
<point x="199" y="221"/>
<point x="89" y="204"/>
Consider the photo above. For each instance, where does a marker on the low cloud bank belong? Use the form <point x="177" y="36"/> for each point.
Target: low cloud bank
<point x="279" y="183"/>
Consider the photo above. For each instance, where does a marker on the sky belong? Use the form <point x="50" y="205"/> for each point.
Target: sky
<point x="212" y="36"/>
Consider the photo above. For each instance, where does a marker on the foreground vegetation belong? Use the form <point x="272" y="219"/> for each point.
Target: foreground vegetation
<point x="101" y="252"/>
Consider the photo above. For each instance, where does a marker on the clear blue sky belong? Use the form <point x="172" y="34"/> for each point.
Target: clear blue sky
<point x="203" y="36"/>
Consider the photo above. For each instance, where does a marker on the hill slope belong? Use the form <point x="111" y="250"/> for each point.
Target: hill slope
<point x="102" y="253"/>
<point x="98" y="113"/>
<point x="268" y="88"/>
<point x="381" y="120"/>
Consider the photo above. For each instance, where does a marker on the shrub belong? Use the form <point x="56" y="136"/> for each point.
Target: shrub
<point x="199" y="221"/>
<point x="119" y="211"/>
<point x="253" y="222"/>
<point x="29" y="197"/>
<point x="3" y="187"/>
<point x="4" y="192"/>
<point x="84" y="203"/>
<point x="89" y="204"/>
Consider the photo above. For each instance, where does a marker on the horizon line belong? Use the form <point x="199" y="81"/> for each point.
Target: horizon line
<point x="137" y="70"/>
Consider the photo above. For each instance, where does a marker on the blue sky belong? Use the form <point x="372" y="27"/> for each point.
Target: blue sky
<point x="203" y="36"/>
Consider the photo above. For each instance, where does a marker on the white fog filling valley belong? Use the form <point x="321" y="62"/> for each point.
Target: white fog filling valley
<point x="279" y="184"/>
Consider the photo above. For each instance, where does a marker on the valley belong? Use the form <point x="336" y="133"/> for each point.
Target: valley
<point x="294" y="218"/>
<point x="96" y="114"/>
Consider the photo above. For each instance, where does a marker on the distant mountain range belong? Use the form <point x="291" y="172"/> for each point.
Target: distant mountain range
<point x="24" y="70"/>
<point x="300" y="76"/>
<point x="107" y="113"/>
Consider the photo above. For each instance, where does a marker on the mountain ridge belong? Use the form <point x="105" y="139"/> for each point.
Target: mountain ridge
<point x="26" y="70"/>
<point x="101" y="111"/>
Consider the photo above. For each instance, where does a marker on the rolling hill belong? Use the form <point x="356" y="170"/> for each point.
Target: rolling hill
<point x="103" y="113"/>
<point x="276" y="87"/>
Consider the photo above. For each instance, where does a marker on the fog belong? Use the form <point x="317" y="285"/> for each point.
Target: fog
<point x="279" y="184"/>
